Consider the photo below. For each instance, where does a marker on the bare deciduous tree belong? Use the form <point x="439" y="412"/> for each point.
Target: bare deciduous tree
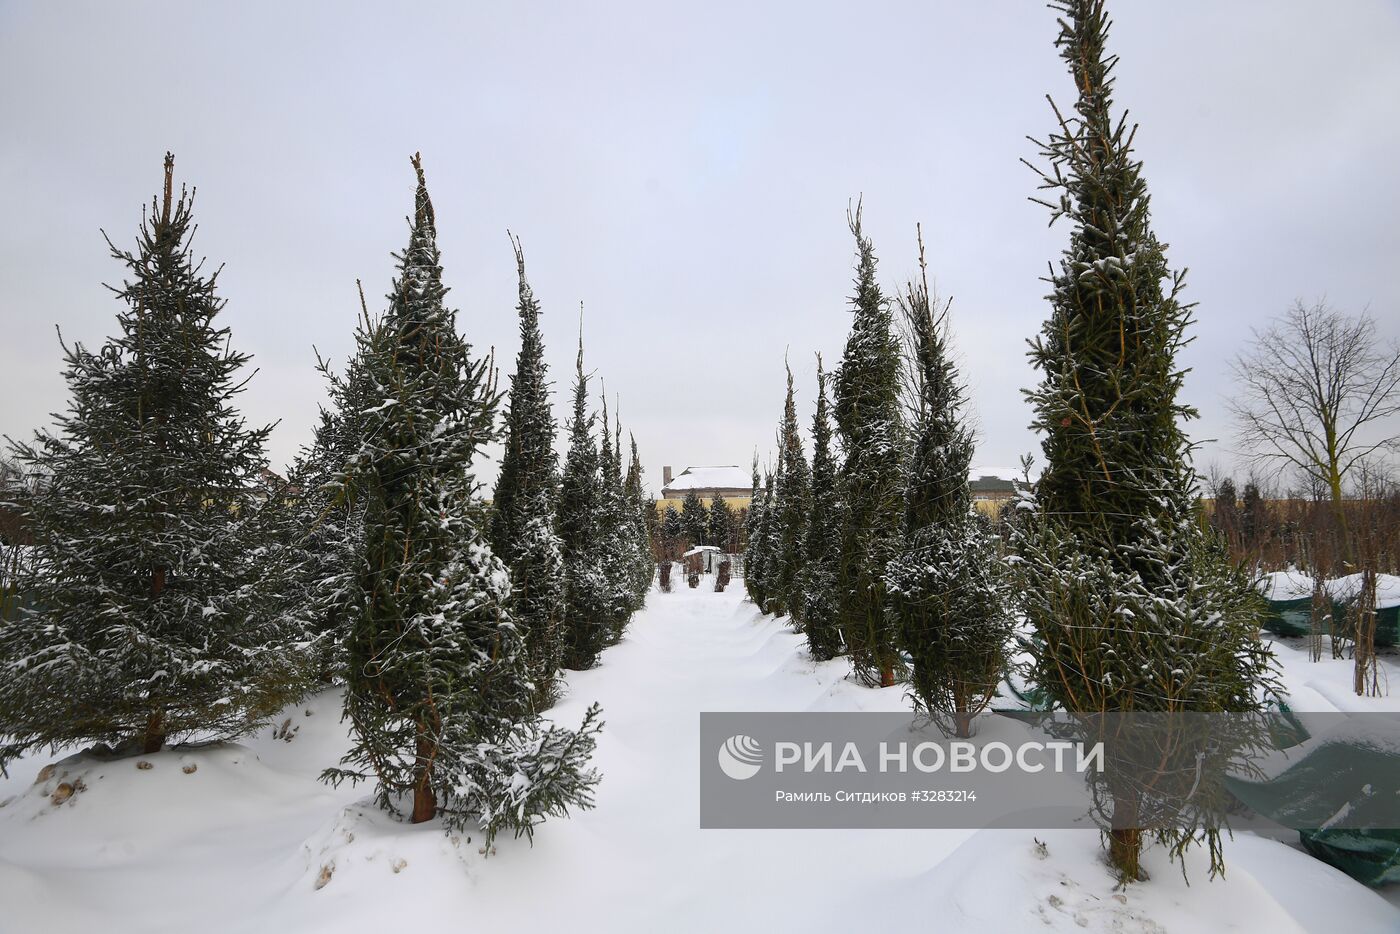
<point x="1315" y="388"/>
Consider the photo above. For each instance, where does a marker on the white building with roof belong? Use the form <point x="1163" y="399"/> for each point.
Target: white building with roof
<point x="730" y="482"/>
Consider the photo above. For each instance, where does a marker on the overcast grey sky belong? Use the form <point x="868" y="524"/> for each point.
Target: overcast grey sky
<point x="684" y="170"/>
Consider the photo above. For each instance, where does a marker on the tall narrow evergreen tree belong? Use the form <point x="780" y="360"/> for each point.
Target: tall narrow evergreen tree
<point x="721" y="520"/>
<point x="616" y="549"/>
<point x="438" y="690"/>
<point x="328" y="510"/>
<point x="695" y="522"/>
<point x="751" y="536"/>
<point x="522" y="522"/>
<point x="791" y="505"/>
<point x="820" y="599"/>
<point x="766" y="566"/>
<point x="1132" y="601"/>
<point x="586" y="591"/>
<point x="756" y="558"/>
<point x="672" y="531"/>
<point x="150" y="619"/>
<point x="868" y="418"/>
<point x="643" y="511"/>
<point x="947" y="591"/>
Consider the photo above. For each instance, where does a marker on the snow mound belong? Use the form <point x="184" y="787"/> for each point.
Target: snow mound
<point x="1286" y="585"/>
<point x="1057" y="881"/>
<point x="361" y="847"/>
<point x="1281" y="586"/>
<point x="120" y="804"/>
<point x="1346" y="589"/>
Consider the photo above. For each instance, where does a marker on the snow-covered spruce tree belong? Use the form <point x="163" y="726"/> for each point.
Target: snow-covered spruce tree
<point x="438" y="691"/>
<point x="672" y="531"/>
<point x="328" y="511"/>
<point x="695" y="523"/>
<point x="752" y="523"/>
<point x="616" y="549"/>
<point x="523" y="533"/>
<point x="721" y="521"/>
<point x="791" y="514"/>
<point x="868" y="419"/>
<point x="586" y="589"/>
<point x="643" y="510"/>
<point x="1132" y="600"/>
<point x="150" y="619"/>
<point x="820" y="600"/>
<point x="651" y="518"/>
<point x="947" y="587"/>
<point x="768" y="529"/>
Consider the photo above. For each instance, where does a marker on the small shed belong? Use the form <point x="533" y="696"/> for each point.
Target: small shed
<point x="702" y="559"/>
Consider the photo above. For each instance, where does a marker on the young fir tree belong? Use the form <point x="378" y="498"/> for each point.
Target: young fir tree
<point x="766" y="565"/>
<point x="822" y="545"/>
<point x="523" y="506"/>
<point x="615" y="542"/>
<point x="150" y="621"/>
<point x="946" y="589"/>
<point x="868" y="418"/>
<point x="792" y="504"/>
<point x="438" y="690"/>
<point x="672" y="531"/>
<point x="643" y="512"/>
<point x="721" y="521"/>
<point x="695" y="522"/>
<point x="328" y="511"/>
<point x="1132" y="601"/>
<point x="651" y="519"/>
<point x="586" y="592"/>
<point x="752" y="523"/>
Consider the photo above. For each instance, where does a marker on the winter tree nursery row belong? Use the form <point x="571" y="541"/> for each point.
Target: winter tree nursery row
<point x="169" y="597"/>
<point x="875" y="550"/>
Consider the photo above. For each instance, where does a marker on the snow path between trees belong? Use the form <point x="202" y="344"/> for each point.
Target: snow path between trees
<point x="237" y="838"/>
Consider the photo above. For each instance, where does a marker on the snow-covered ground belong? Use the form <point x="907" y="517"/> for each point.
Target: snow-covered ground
<point x="244" y="837"/>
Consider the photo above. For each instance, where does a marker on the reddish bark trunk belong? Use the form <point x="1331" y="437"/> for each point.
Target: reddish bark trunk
<point x="424" y="800"/>
<point x="154" y="737"/>
<point x="887" y="677"/>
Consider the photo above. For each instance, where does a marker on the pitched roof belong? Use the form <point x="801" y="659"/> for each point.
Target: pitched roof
<point x="986" y="484"/>
<point x="708" y="478"/>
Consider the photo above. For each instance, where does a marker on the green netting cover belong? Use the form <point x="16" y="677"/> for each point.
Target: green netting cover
<point x="1294" y="618"/>
<point x="1289" y="617"/>
<point x="1371" y="857"/>
<point x="1336" y="777"/>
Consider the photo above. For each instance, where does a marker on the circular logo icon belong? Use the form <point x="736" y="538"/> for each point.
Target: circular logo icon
<point x="740" y="757"/>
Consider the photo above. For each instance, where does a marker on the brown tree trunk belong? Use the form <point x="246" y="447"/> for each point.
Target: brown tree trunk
<point x="1125" y="851"/>
<point x="154" y="737"/>
<point x="887" y="676"/>
<point x="1339" y="514"/>
<point x="962" y="724"/>
<point x="1125" y="839"/>
<point x="424" y="800"/>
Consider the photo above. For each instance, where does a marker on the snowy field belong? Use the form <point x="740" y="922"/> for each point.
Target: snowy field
<point x="244" y="838"/>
